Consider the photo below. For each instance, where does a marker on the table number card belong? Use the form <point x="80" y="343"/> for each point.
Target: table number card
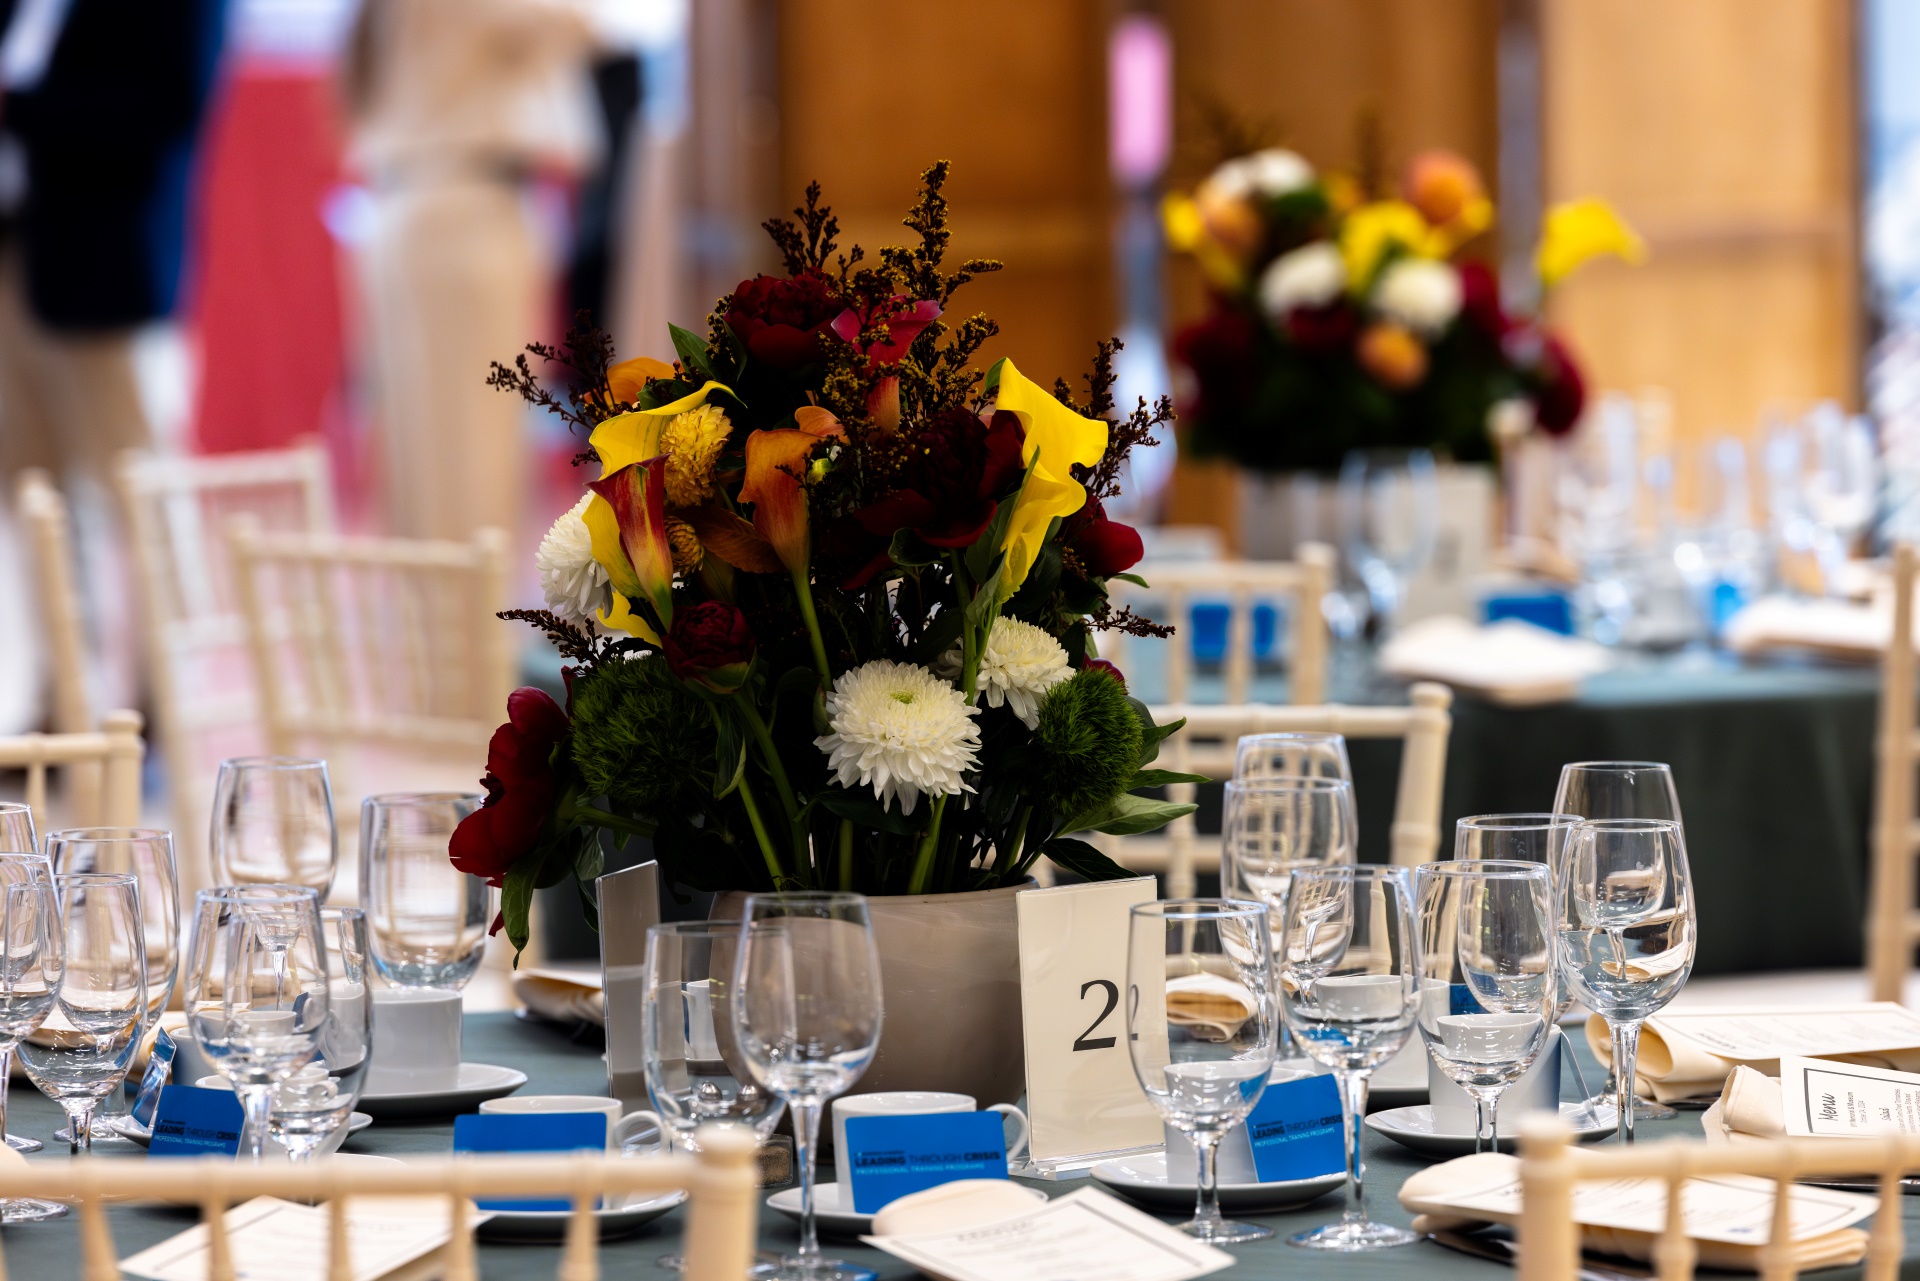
<point x="629" y="906"/>
<point x="1083" y="1099"/>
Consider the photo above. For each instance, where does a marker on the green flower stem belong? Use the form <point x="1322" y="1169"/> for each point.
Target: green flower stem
<point x="581" y="813"/>
<point x="970" y="645"/>
<point x="804" y="591"/>
<point x="760" y="834"/>
<point x="1018" y="838"/>
<point x="923" y="861"/>
<point x="846" y="855"/>
<point x="763" y="738"/>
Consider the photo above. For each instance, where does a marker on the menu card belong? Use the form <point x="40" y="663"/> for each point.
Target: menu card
<point x="389" y="1239"/>
<point x="1691" y="1053"/>
<point x="1824" y="1099"/>
<point x="1083" y="1236"/>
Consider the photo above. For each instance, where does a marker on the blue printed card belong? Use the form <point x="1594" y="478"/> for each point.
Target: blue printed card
<point x="529" y="1132"/>
<point x="1295" y="1130"/>
<point x="894" y="1155"/>
<point x="190" y="1121"/>
<point x="159" y="1073"/>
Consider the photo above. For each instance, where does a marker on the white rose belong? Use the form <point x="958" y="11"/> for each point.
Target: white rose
<point x="1311" y="276"/>
<point x="1276" y="172"/>
<point x="1421" y="294"/>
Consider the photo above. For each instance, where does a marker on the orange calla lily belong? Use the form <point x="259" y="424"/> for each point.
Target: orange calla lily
<point x="1056" y="439"/>
<point x="634" y="550"/>
<point x="776" y="463"/>
<point x="628" y="379"/>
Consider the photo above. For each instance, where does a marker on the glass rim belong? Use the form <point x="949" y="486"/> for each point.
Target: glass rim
<point x="1630" y="824"/>
<point x="96" y="878"/>
<point x="1615" y="766"/>
<point x="343" y="912"/>
<point x="105" y="835"/>
<point x="276" y="891"/>
<point x="1356" y="871"/>
<point x="722" y="925"/>
<point x="802" y="896"/>
<point x="1199" y="909"/>
<point x="383" y="800"/>
<point x="275" y="762"/>
<point x="1542" y="821"/>
<point x="1290" y="783"/>
<point x="1503" y="869"/>
<point x="1298" y="735"/>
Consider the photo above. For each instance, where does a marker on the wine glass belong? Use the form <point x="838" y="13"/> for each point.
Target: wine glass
<point x="807" y="1021"/>
<point x="16" y="829"/>
<point x="273" y="823"/>
<point x="81" y="1053"/>
<point x="1202" y="1067"/>
<point x="1291" y="754"/>
<point x="1389" y="521"/>
<point x="146" y="854"/>
<point x="310" y="1106"/>
<point x="687" y="1004"/>
<point x="1625" y="916"/>
<point x="1349" y="967"/>
<point x="1620" y="789"/>
<point x="426" y="920"/>
<point x="1487" y="981"/>
<point x="30" y="969"/>
<point x="257" y="994"/>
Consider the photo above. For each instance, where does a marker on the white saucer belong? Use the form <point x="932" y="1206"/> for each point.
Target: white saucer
<point x="140" y="1134"/>
<point x="1413" y="1128"/>
<point x="478" y="1083"/>
<point x="551" y="1225"/>
<point x="831" y="1219"/>
<point x="1144" y="1179"/>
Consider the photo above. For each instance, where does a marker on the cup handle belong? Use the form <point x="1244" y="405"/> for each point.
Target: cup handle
<point x="1017" y="1144"/>
<point x="631" y="1121"/>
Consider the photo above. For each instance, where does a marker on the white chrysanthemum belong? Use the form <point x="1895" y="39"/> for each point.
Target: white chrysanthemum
<point x="1421" y="294"/>
<point x="571" y="579"/>
<point x="1311" y="276"/>
<point x="1022" y="662"/>
<point x="1270" y="173"/>
<point x="901" y="730"/>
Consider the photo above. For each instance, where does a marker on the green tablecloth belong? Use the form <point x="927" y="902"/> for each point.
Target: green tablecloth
<point x="49" y="1251"/>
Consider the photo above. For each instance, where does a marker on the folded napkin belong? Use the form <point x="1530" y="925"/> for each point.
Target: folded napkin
<point x="1508" y="662"/>
<point x="562" y="994"/>
<point x="1674" y="1064"/>
<point x="1841" y="629"/>
<point x="1749" y="1108"/>
<point x="1622" y="1217"/>
<point x="1209" y="1001"/>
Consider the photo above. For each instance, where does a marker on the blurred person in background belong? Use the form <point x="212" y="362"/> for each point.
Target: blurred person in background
<point x="455" y="105"/>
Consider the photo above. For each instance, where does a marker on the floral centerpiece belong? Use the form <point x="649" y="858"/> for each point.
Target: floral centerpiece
<point x="829" y="601"/>
<point x="1337" y="322"/>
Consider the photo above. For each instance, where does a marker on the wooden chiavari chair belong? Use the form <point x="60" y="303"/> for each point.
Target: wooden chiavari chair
<point x="1893" y="923"/>
<point x="45" y="520"/>
<point x="111" y="755"/>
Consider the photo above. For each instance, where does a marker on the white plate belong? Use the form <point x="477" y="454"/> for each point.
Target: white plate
<point x="831" y="1219"/>
<point x="1413" y="1128"/>
<point x="1144" y="1179"/>
<point x="551" y="1225"/>
<point x="478" y="1083"/>
<point x="141" y="1135"/>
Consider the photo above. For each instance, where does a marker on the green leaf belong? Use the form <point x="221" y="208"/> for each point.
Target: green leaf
<point x="985" y="552"/>
<point x="516" y="901"/>
<point x="1084" y="861"/>
<point x="1135" y="579"/>
<point x="1127" y="815"/>
<point x="729" y="750"/>
<point x="908" y="550"/>
<point x="1151" y="735"/>
<point x="939" y="637"/>
<point x="692" y="350"/>
<point x="1162" y="777"/>
<point x="589" y="904"/>
<point x="865" y="809"/>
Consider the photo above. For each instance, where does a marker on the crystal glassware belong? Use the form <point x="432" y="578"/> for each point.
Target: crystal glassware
<point x="16" y="829"/>
<point x="146" y="854"/>
<point x="1625" y="917"/>
<point x="26" y="869"/>
<point x="1349" y="969"/>
<point x="273" y="823"/>
<point x="807" y="1022"/>
<point x="257" y="993"/>
<point x="30" y="970"/>
<point x="426" y="920"/>
<point x="1202" y="1031"/>
<point x="1389" y="522"/>
<point x="1488" y="985"/>
<point x="1291" y="754"/>
<point x="81" y="1053"/>
<point x="310" y="1106"/>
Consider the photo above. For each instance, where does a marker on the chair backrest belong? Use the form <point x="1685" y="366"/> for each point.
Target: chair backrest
<point x="718" y="1241"/>
<point x="1205" y="745"/>
<point x="1893" y="924"/>
<point x="1550" y="1167"/>
<point x="110" y="755"/>
<point x="1243" y="585"/>
<point x="378" y="641"/>
<point x="43" y="514"/>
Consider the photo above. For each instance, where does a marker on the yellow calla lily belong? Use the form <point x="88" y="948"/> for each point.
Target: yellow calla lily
<point x="1056" y="439"/>
<point x="1371" y="230"/>
<point x="1579" y="230"/>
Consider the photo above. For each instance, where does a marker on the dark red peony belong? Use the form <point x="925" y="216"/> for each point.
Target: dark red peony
<point x="1480" y="300"/>
<point x="1322" y="330"/>
<point x="1102" y="665"/>
<point x="1562" y="391"/>
<point x="781" y="320"/>
<point x="710" y="644"/>
<point x="947" y="489"/>
<point x="1104" y="547"/>
<point x="1219" y="350"/>
<point x="521" y="788"/>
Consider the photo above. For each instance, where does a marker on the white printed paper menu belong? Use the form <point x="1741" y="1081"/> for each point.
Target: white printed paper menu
<point x="1824" y="1099"/>
<point x="388" y="1239"/>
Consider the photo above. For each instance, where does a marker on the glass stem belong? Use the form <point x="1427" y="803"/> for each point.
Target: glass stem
<point x="1484" y="1112"/>
<point x="1353" y="1109"/>
<point x="1626" y="1049"/>
<point x="258" y="1102"/>
<point x="80" y="1131"/>
<point x="806" y="1137"/>
<point x="1566" y="1050"/>
<point x="6" y="1073"/>
<point x="1206" y="1205"/>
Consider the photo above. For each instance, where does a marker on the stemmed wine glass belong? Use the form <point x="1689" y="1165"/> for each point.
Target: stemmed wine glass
<point x="1621" y="789"/>
<point x="806" y="1015"/>
<point x="1349" y="970"/>
<point x="1389" y="521"/>
<point x="30" y="971"/>
<point x="687" y="1038"/>
<point x="1291" y="754"/>
<point x="1487" y="978"/>
<point x="81" y="1053"/>
<point x="1626" y="922"/>
<point x="311" y="1106"/>
<point x="146" y="854"/>
<point x="1203" y="1075"/>
<point x="257" y="993"/>
<point x="273" y="823"/>
<point x="16" y="829"/>
<point x="426" y="920"/>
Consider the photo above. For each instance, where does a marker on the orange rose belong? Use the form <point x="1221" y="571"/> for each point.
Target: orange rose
<point x="1392" y="355"/>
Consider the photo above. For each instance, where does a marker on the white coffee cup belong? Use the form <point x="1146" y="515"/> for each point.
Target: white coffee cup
<point x="1537" y="1090"/>
<point x="1233" y="1159"/>
<point x="328" y="1146"/>
<point x="416" y="1043"/>
<point x="909" y="1103"/>
<point x="619" y="1128"/>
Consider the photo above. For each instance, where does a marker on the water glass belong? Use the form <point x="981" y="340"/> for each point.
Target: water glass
<point x="81" y="1053"/>
<point x="24" y="869"/>
<point x="1291" y="754"/>
<point x="1202" y="1030"/>
<point x="30" y="970"/>
<point x="146" y="854"/>
<point x="310" y="1106"/>
<point x="426" y="920"/>
<point x="1488" y="985"/>
<point x="273" y="823"/>
<point x="1349" y="972"/>
<point x="1625" y="916"/>
<point x="1389" y="522"/>
<point x="16" y="829"/>
<point x="257" y="993"/>
<point x="1272" y="827"/>
<point x="807" y="1023"/>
